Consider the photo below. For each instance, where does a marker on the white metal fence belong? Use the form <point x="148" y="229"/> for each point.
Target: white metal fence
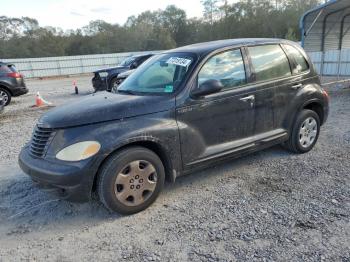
<point x="333" y="63"/>
<point x="67" y="65"/>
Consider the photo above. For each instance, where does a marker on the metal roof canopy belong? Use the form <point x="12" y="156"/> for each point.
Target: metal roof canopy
<point x="326" y="36"/>
<point x="326" y="27"/>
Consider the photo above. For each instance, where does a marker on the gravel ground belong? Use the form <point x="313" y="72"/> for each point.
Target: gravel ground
<point x="269" y="206"/>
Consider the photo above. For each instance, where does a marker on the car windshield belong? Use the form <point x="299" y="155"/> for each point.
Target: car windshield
<point x="127" y="61"/>
<point x="161" y="74"/>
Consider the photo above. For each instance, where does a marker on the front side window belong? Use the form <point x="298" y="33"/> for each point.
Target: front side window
<point x="227" y="67"/>
<point x="269" y="62"/>
<point x="161" y="74"/>
<point x="301" y="64"/>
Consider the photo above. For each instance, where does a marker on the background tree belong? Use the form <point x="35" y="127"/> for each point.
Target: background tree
<point x="156" y="30"/>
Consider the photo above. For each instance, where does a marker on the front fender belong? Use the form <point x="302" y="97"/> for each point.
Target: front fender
<point x="159" y="128"/>
<point x="114" y="73"/>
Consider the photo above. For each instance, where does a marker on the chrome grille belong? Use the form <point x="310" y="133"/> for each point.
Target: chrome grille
<point x="40" y="140"/>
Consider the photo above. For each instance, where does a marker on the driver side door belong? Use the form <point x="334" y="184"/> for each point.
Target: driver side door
<point x="219" y="124"/>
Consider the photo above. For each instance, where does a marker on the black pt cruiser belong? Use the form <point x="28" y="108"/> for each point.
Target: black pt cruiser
<point x="182" y="110"/>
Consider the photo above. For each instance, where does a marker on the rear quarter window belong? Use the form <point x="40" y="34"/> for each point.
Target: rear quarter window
<point x="4" y="69"/>
<point x="301" y="64"/>
<point x="269" y="62"/>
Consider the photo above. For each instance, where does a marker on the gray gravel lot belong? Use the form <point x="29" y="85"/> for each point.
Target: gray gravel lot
<point x="269" y="206"/>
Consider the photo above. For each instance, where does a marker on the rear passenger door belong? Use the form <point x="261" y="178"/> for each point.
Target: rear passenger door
<point x="270" y="67"/>
<point x="287" y="89"/>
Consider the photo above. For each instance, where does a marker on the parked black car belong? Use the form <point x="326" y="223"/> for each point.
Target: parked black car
<point x="105" y="79"/>
<point x="182" y="110"/>
<point x="120" y="79"/>
<point x="11" y="82"/>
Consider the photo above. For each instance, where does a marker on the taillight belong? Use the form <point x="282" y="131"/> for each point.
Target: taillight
<point x="14" y="75"/>
<point x="326" y="95"/>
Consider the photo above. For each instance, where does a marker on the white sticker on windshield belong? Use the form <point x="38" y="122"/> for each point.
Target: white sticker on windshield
<point x="179" y="61"/>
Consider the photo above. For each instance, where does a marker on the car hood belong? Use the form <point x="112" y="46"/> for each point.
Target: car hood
<point x="117" y="68"/>
<point x="103" y="107"/>
<point x="126" y="73"/>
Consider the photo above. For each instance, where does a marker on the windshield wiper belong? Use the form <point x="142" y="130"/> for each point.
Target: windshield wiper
<point x="129" y="92"/>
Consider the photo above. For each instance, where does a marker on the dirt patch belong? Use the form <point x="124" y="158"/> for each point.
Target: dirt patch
<point x="269" y="206"/>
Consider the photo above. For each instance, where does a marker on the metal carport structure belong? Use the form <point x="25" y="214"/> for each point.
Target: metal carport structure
<point x="326" y="37"/>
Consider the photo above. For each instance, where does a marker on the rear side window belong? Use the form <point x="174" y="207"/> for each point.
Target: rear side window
<point x="301" y="63"/>
<point x="4" y="69"/>
<point x="269" y="62"/>
<point x="227" y="67"/>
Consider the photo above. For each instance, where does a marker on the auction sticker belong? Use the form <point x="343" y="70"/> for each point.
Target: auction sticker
<point x="179" y="61"/>
<point x="168" y="89"/>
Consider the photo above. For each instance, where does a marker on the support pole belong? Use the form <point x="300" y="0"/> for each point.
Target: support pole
<point x="341" y="37"/>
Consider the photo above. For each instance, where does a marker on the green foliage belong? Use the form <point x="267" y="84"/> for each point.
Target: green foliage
<point x="157" y="30"/>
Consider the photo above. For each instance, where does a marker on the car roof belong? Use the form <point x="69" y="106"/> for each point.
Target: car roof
<point x="143" y="55"/>
<point x="208" y="47"/>
<point x="7" y="64"/>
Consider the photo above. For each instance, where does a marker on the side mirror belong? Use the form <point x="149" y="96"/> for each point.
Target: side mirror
<point x="208" y="87"/>
<point x="134" y="65"/>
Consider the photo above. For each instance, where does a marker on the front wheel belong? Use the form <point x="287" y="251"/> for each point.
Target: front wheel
<point x="131" y="180"/>
<point x="113" y="86"/>
<point x="305" y="132"/>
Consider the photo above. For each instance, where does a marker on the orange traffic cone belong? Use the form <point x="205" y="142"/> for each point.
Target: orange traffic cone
<point x="39" y="101"/>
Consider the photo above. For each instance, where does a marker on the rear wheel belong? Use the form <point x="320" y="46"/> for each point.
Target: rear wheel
<point x="305" y="132"/>
<point x="131" y="180"/>
<point x="5" y="95"/>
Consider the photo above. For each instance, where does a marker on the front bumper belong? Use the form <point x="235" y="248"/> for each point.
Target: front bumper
<point x="72" y="181"/>
<point x="99" y="84"/>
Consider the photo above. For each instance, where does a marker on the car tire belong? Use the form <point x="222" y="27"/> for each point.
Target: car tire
<point x="130" y="180"/>
<point x="113" y="84"/>
<point x="304" y="133"/>
<point x="6" y="95"/>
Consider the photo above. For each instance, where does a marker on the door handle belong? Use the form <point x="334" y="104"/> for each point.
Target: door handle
<point x="296" y="87"/>
<point x="250" y="99"/>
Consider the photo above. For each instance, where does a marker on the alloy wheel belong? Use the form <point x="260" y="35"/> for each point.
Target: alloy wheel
<point x="4" y="96"/>
<point x="308" y="132"/>
<point x="115" y="86"/>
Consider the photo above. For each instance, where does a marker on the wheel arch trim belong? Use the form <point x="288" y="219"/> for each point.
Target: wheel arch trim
<point x="5" y="86"/>
<point x="317" y="102"/>
<point x="148" y="142"/>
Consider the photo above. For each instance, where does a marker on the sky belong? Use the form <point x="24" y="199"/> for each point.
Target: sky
<point x="73" y="14"/>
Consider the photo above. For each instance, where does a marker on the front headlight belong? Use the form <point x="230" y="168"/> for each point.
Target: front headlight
<point x="79" y="151"/>
<point x="103" y="74"/>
